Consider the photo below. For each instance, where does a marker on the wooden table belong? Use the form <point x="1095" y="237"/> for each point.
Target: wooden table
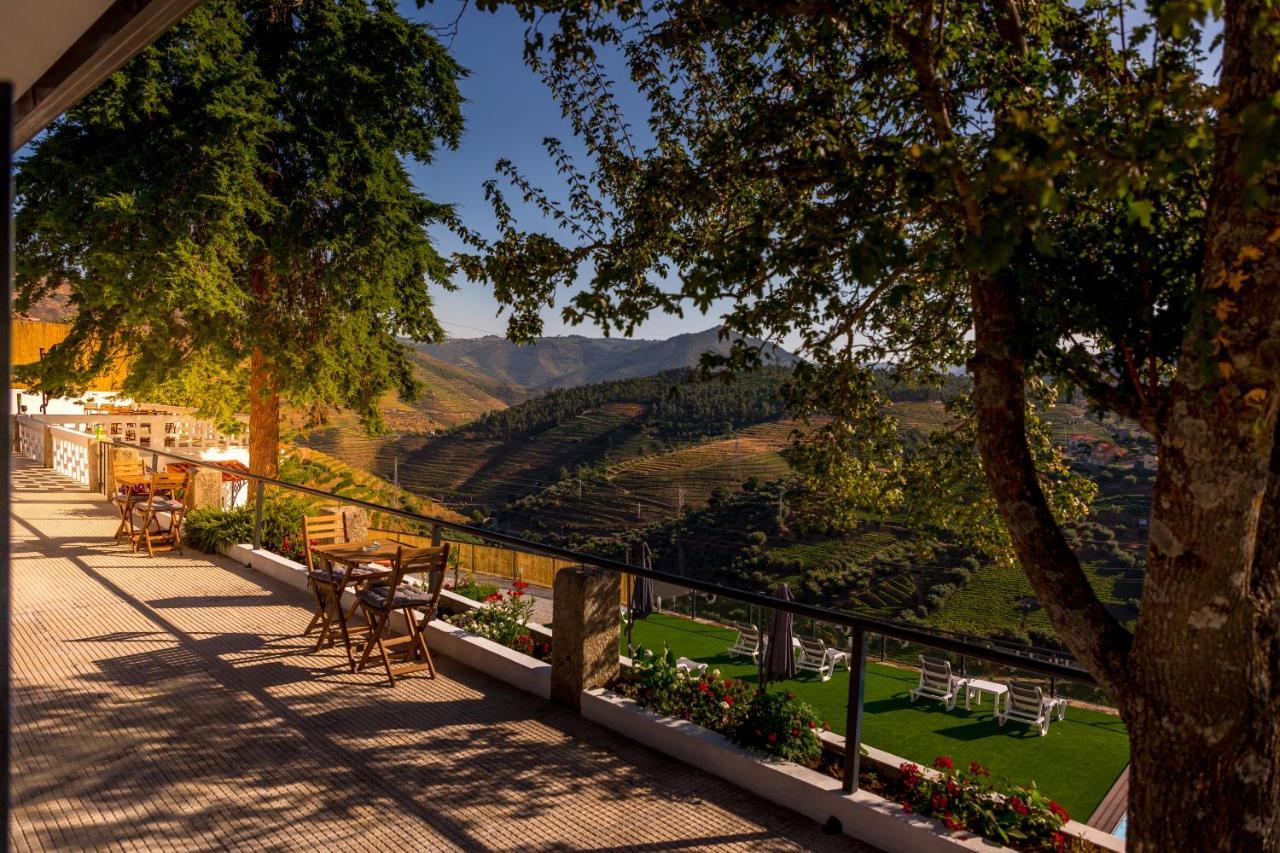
<point x="359" y="569"/>
<point x="129" y="481"/>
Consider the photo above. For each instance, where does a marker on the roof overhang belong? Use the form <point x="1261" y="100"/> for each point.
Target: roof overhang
<point x="56" y="51"/>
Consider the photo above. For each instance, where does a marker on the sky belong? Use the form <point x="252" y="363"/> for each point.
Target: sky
<point x="508" y="113"/>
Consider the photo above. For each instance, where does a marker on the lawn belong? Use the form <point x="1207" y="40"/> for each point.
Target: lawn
<point x="1075" y="764"/>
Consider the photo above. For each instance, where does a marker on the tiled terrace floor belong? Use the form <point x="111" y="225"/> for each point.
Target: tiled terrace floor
<point x="169" y="703"/>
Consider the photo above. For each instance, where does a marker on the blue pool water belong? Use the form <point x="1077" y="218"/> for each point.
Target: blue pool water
<point x="1119" y="831"/>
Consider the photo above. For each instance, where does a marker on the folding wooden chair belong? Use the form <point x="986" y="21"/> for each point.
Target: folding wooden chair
<point x="409" y="652"/>
<point x="124" y="497"/>
<point x="321" y="530"/>
<point x="166" y="500"/>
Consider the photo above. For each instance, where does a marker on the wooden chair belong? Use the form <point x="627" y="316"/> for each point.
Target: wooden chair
<point x="937" y="682"/>
<point x="379" y="602"/>
<point x="124" y="497"/>
<point x="166" y="498"/>
<point x="321" y="530"/>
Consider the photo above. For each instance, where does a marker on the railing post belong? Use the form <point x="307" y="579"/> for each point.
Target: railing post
<point x="435" y="536"/>
<point x="260" y="494"/>
<point x="155" y="462"/>
<point x="883" y="638"/>
<point x="853" y="715"/>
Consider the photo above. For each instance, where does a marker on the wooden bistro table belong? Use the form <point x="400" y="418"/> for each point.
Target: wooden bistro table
<point x="359" y="562"/>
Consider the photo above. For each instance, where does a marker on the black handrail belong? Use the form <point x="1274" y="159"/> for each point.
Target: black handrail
<point x="896" y="630"/>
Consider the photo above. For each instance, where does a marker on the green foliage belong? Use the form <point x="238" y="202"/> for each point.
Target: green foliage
<point x="240" y="186"/>
<point x="211" y="529"/>
<point x="680" y="407"/>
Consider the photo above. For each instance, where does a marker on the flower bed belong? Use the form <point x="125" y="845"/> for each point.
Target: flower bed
<point x="777" y="724"/>
<point x="504" y="619"/>
<point x="965" y="800"/>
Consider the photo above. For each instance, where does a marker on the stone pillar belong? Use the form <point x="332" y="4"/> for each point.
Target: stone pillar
<point x="205" y="489"/>
<point x="355" y="521"/>
<point x="47" y="462"/>
<point x="584" y="651"/>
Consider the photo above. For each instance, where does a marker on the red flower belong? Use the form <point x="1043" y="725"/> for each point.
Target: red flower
<point x="728" y="682"/>
<point x="702" y="686"/>
<point x="826" y="727"/>
<point x="1018" y="806"/>
<point x="953" y="824"/>
<point x="1059" y="811"/>
<point x="942" y="762"/>
<point x="795" y="733"/>
<point x="952" y="787"/>
<point x="978" y="770"/>
<point x="908" y="769"/>
<point x="728" y="700"/>
<point x="773" y="738"/>
<point x="790" y="695"/>
<point x="906" y="807"/>
<point x="812" y="724"/>
<point x="1059" y="842"/>
<point x="493" y="596"/>
<point x="938" y="801"/>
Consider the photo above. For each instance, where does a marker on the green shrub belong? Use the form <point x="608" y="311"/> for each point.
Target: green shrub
<point x="211" y="529"/>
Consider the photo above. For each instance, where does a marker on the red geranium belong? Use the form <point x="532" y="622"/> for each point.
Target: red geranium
<point x="773" y="738"/>
<point x="977" y="769"/>
<point x="942" y="762"/>
<point x="953" y="824"/>
<point x="1018" y="805"/>
<point x="795" y="733"/>
<point x="906" y="807"/>
<point x="938" y="801"/>
<point x="728" y="682"/>
<point x="728" y="700"/>
<point x="1059" y="811"/>
<point x="952" y="787"/>
<point x="1059" y="842"/>
<point x="703" y="686"/>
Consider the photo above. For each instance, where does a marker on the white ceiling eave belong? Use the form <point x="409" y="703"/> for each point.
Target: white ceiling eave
<point x="56" y="51"/>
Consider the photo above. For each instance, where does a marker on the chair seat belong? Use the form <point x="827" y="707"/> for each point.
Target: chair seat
<point x="376" y="596"/>
<point x="166" y="505"/>
<point x="131" y="498"/>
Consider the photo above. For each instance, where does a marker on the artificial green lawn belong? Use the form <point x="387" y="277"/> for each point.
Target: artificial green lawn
<point x="1075" y="763"/>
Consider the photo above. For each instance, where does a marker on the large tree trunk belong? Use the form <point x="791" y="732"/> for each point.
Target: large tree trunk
<point x="1205" y="721"/>
<point x="264" y="417"/>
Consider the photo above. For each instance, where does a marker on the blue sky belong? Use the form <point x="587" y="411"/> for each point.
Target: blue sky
<point x="508" y="114"/>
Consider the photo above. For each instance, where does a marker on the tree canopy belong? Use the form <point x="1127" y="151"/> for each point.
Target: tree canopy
<point x="232" y="208"/>
<point x="1051" y="194"/>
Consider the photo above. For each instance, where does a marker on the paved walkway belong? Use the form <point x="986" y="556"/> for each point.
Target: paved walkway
<point x="169" y="703"/>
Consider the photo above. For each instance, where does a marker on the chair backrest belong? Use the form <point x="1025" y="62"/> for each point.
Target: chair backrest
<point x="126" y="466"/>
<point x="173" y="483"/>
<point x="748" y="634"/>
<point x="935" y="673"/>
<point x="812" y="647"/>
<point x="433" y="562"/>
<point x="322" y="530"/>
<point x="1025" y="697"/>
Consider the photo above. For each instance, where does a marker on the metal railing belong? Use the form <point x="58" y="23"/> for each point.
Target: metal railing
<point x="860" y="627"/>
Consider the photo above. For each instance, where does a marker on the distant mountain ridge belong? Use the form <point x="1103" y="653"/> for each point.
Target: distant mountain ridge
<point x="562" y="362"/>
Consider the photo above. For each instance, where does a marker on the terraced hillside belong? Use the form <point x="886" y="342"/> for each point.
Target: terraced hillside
<point x="650" y="488"/>
<point x="308" y="467"/>
<point x="469" y="470"/>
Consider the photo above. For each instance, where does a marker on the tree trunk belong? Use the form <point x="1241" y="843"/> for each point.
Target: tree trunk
<point x="264" y="417"/>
